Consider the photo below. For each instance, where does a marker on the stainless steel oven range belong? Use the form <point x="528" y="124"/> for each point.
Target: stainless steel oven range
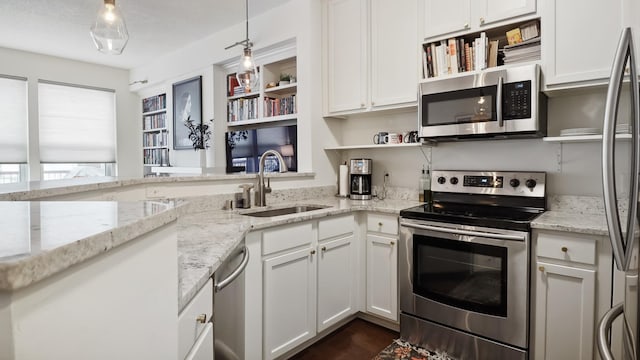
<point x="464" y="264"/>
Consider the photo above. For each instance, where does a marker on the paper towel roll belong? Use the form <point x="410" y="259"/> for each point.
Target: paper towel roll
<point x="343" y="184"/>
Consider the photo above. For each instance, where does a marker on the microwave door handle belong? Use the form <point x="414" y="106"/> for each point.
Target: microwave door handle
<point x="499" y="102"/>
<point x="608" y="138"/>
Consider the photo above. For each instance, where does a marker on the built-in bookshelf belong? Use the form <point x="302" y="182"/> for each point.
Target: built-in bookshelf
<point x="274" y="100"/>
<point x="509" y="44"/>
<point x="155" y="133"/>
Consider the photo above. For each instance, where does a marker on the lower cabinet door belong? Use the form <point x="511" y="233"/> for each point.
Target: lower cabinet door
<point x="289" y="301"/>
<point x="203" y="347"/>
<point x="336" y="281"/>
<point x="565" y="308"/>
<point x="382" y="276"/>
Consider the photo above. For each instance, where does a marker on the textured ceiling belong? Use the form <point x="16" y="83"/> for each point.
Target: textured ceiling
<point x="156" y="27"/>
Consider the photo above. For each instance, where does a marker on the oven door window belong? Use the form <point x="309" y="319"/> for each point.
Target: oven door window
<point x="460" y="106"/>
<point x="465" y="275"/>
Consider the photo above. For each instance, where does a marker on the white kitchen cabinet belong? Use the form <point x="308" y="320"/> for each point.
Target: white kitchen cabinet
<point x="309" y="280"/>
<point x="572" y="276"/>
<point x="565" y="308"/>
<point x="370" y="55"/>
<point x="193" y="322"/>
<point x="289" y="301"/>
<point x="382" y="266"/>
<point x="345" y="54"/>
<point x="337" y="270"/>
<point x="580" y="39"/>
<point x="203" y="347"/>
<point x="446" y="17"/>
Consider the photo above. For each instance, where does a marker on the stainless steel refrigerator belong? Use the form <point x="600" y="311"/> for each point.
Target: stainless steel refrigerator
<point x="620" y="166"/>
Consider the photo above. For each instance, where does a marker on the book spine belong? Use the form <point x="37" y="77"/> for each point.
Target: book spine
<point x="434" y="58"/>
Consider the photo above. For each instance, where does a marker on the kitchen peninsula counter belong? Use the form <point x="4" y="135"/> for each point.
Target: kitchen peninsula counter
<point x="43" y="238"/>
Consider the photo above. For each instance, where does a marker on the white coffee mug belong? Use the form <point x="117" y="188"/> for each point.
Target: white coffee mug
<point x="394" y="138"/>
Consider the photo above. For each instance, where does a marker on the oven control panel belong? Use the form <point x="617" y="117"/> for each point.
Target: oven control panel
<point x="511" y="183"/>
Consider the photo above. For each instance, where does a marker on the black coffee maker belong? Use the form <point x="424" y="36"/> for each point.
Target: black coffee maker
<point x="360" y="170"/>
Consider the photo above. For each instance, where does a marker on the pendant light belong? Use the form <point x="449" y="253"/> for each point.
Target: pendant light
<point x="247" y="73"/>
<point x="109" y="32"/>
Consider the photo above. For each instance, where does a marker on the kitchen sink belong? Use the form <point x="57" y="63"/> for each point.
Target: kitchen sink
<point x="284" y="211"/>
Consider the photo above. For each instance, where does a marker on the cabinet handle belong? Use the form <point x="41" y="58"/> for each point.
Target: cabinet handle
<point x="564" y="249"/>
<point x="202" y="318"/>
<point x="313" y="252"/>
<point x="481" y="20"/>
<point x="392" y="243"/>
<point x="541" y="268"/>
<point x="466" y="25"/>
<point x="324" y="248"/>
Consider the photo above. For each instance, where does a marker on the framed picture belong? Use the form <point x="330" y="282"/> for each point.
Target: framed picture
<point x="187" y="112"/>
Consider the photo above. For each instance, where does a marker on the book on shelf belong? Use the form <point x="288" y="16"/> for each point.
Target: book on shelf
<point x="453" y="56"/>
<point x="492" y="60"/>
<point x="232" y="85"/>
<point x="154" y="103"/>
<point x="523" y="33"/>
<point x="528" y="50"/>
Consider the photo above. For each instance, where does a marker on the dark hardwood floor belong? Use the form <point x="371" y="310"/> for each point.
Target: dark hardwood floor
<point x="356" y="340"/>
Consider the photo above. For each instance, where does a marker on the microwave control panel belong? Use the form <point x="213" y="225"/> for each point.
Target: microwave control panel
<point x="516" y="100"/>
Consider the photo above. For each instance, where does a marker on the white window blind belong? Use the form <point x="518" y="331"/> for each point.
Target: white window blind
<point x="13" y="120"/>
<point x="77" y="124"/>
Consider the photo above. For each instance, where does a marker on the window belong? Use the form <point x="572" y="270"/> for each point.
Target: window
<point x="77" y="130"/>
<point x="14" y="134"/>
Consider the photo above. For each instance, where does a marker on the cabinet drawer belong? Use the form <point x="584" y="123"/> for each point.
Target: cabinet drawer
<point x="189" y="328"/>
<point x="286" y="237"/>
<point x="387" y="224"/>
<point x="569" y="247"/>
<point x="335" y="226"/>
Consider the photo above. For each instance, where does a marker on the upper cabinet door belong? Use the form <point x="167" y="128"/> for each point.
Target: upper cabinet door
<point x="345" y="55"/>
<point x="492" y="11"/>
<point x="579" y="41"/>
<point x="446" y="16"/>
<point x="394" y="52"/>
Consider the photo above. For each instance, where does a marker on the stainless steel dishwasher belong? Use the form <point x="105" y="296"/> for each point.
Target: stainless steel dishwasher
<point x="228" y="305"/>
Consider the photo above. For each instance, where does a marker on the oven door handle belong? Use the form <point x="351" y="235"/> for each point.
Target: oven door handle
<point x="465" y="232"/>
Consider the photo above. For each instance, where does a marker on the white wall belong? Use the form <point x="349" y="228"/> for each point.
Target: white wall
<point x="36" y="66"/>
<point x="572" y="169"/>
<point x="297" y="19"/>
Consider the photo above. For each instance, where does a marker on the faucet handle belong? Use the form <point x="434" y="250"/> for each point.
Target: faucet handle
<point x="267" y="188"/>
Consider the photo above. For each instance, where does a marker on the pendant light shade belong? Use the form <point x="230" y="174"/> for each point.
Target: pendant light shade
<point x="247" y="73"/>
<point x="109" y="32"/>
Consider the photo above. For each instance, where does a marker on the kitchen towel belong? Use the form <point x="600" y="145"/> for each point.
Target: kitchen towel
<point x="343" y="183"/>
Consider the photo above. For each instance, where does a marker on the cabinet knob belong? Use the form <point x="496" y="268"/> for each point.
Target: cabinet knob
<point x="313" y="252"/>
<point x="541" y="268"/>
<point x="202" y="318"/>
<point x="466" y="25"/>
<point x="361" y="105"/>
<point x="324" y="248"/>
<point x="380" y="224"/>
<point x="564" y="249"/>
<point x="392" y="243"/>
<point x="373" y="103"/>
<point x="481" y="20"/>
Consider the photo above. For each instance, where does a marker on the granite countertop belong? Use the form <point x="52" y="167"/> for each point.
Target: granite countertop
<point x="40" y="189"/>
<point x="206" y="238"/>
<point x="42" y="238"/>
<point x="592" y="224"/>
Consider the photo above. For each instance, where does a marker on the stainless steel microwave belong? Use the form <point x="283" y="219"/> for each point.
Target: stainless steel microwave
<point x="496" y="102"/>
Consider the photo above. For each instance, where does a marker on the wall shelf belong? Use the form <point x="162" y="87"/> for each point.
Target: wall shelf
<point x="378" y="146"/>
<point x="280" y="90"/>
<point x="582" y="138"/>
<point x="262" y="120"/>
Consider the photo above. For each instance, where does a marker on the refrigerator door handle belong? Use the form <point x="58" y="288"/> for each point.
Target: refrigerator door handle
<point x="616" y="236"/>
<point x="604" y="327"/>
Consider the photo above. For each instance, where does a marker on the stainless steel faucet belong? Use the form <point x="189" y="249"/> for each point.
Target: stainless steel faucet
<point x="261" y="189"/>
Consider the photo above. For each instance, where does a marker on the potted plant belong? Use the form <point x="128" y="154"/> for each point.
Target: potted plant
<point x="284" y="79"/>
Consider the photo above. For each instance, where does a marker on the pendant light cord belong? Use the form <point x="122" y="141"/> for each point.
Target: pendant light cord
<point x="246" y="8"/>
